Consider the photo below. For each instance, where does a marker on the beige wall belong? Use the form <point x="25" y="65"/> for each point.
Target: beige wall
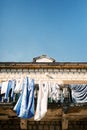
<point x="55" y="75"/>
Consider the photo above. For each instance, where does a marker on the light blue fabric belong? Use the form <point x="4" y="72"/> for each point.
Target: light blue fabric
<point x="25" y="105"/>
<point x="8" y="90"/>
<point x="11" y="85"/>
<point x="18" y="105"/>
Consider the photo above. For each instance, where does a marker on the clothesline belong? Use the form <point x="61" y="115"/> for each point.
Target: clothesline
<point x="47" y="89"/>
<point x="25" y="104"/>
<point x="55" y="80"/>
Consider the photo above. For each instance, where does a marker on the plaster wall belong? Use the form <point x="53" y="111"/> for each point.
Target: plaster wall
<point x="55" y="75"/>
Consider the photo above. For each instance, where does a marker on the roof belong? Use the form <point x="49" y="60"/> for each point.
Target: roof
<point x="43" y="62"/>
<point x="43" y="65"/>
<point x="43" y="58"/>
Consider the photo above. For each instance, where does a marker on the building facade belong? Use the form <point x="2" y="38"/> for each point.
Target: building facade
<point x="46" y="69"/>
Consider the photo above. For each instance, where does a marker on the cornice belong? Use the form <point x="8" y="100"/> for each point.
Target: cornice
<point x="34" y="65"/>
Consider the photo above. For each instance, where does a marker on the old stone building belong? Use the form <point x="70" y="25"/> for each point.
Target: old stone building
<point x="67" y="116"/>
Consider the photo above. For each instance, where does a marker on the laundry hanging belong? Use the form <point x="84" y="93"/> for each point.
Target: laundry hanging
<point x="7" y="89"/>
<point x="25" y="88"/>
<point x="25" y="104"/>
<point x="4" y="86"/>
<point x="10" y="87"/>
<point x="79" y="93"/>
<point x="42" y="101"/>
<point x="19" y="85"/>
<point x="54" y="92"/>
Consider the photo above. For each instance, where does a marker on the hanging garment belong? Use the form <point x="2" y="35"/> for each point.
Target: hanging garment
<point x="10" y="87"/>
<point x="42" y="101"/>
<point x="19" y="85"/>
<point x="54" y="92"/>
<point x="18" y="105"/>
<point x="13" y="87"/>
<point x="8" y="90"/>
<point x="4" y="87"/>
<point x="79" y="93"/>
<point x="25" y="105"/>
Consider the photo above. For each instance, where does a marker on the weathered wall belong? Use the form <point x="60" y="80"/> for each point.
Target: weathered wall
<point x="59" y="75"/>
<point x="13" y="124"/>
<point x="10" y="124"/>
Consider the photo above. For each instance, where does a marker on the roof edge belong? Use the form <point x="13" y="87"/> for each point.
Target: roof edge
<point x="43" y="65"/>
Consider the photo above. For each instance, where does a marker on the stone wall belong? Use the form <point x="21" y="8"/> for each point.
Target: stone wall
<point x="58" y="75"/>
<point x="13" y="124"/>
<point x="10" y="124"/>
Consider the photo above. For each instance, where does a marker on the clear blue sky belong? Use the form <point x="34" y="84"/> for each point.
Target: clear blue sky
<point x="30" y="28"/>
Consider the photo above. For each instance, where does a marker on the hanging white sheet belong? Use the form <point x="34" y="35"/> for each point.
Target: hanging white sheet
<point x="4" y="87"/>
<point x="42" y="101"/>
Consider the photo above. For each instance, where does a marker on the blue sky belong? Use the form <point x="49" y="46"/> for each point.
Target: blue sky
<point x="30" y="28"/>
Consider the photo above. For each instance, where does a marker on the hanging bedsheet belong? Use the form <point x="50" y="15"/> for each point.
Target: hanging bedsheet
<point x="79" y="93"/>
<point x="42" y="101"/>
<point x="25" y="104"/>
